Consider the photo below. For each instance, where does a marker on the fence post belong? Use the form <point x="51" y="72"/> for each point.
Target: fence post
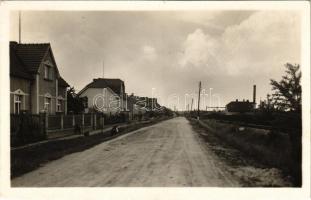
<point x="92" y="121"/>
<point x="62" y="122"/>
<point x="82" y="127"/>
<point x="42" y="125"/>
<point x="46" y="121"/>
<point x="73" y="120"/>
<point x="95" y="119"/>
<point x="103" y="121"/>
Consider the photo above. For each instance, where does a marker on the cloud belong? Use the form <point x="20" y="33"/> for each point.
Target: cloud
<point x="198" y="50"/>
<point x="261" y="43"/>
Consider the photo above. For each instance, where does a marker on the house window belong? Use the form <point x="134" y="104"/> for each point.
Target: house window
<point x="48" y="72"/>
<point x="47" y="104"/>
<point x="59" y="105"/>
<point x="17" y="103"/>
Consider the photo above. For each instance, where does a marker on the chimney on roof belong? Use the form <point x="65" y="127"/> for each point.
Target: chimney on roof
<point x="254" y="94"/>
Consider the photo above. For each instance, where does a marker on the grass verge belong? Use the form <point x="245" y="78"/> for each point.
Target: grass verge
<point x="250" y="150"/>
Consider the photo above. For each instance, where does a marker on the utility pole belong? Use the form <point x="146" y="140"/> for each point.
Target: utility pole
<point x="199" y="100"/>
<point x="103" y="69"/>
<point x="210" y="97"/>
<point x="19" y="27"/>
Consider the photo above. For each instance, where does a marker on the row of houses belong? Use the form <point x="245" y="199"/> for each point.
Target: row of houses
<point x="36" y="86"/>
<point x="109" y="96"/>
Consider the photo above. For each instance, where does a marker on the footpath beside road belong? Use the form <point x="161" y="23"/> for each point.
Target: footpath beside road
<point x="105" y="130"/>
<point x="29" y="157"/>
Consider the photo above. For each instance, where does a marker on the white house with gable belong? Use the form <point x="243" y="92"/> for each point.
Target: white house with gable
<point x="105" y="95"/>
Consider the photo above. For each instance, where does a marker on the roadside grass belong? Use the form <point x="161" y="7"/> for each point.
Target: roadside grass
<point x="271" y="148"/>
<point x="27" y="159"/>
<point x="251" y="151"/>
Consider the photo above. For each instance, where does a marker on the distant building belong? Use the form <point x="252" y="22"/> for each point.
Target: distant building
<point x="134" y="106"/>
<point x="35" y="82"/>
<point x="240" y="106"/>
<point x="141" y="105"/>
<point x="147" y="103"/>
<point x="105" y="95"/>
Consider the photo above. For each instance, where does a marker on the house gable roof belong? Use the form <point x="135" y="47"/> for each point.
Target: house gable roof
<point x="62" y="82"/>
<point x="25" y="60"/>
<point x="17" y="67"/>
<point x="32" y="55"/>
<point x="113" y="84"/>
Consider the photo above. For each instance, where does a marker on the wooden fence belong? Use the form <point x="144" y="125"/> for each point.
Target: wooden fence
<point x="27" y="128"/>
<point x="65" y="122"/>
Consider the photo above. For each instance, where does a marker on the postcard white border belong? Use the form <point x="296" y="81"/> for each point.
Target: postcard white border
<point x="151" y="193"/>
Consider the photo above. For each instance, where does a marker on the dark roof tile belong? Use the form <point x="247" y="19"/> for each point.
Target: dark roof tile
<point x="62" y="82"/>
<point x="114" y="84"/>
<point x="32" y="54"/>
<point x="17" y="67"/>
<point x="25" y="60"/>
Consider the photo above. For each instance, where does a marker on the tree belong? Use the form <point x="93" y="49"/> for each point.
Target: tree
<point x="287" y="97"/>
<point x="74" y="102"/>
<point x="287" y="92"/>
<point x="267" y="105"/>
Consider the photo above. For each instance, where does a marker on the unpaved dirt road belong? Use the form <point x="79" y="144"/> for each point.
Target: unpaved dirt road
<point x="169" y="153"/>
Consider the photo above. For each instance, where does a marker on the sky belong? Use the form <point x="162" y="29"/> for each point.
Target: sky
<point x="164" y="54"/>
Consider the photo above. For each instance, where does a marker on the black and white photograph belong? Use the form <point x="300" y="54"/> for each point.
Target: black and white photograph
<point x="170" y="98"/>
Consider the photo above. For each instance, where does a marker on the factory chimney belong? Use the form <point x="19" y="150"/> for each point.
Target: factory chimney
<point x="254" y="94"/>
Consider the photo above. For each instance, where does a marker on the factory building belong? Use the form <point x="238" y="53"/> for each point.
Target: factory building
<point x="242" y="106"/>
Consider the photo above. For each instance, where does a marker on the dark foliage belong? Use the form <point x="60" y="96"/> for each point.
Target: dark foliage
<point x="75" y="104"/>
<point x="287" y="92"/>
<point x="287" y="97"/>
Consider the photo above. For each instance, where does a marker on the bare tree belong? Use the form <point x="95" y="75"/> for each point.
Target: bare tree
<point x="287" y="92"/>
